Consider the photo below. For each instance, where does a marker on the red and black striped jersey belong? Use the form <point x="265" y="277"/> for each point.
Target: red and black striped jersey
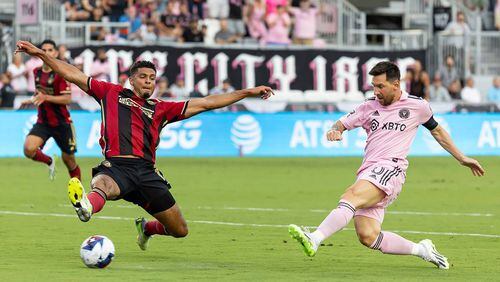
<point x="131" y="125"/>
<point x="51" y="83"/>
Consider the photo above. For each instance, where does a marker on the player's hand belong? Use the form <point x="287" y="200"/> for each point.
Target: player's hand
<point x="25" y="103"/>
<point x="39" y="98"/>
<point x="27" y="47"/>
<point x="474" y="166"/>
<point x="334" y="135"/>
<point x="264" y="92"/>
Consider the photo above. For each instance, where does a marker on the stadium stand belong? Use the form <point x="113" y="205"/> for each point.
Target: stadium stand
<point x="463" y="30"/>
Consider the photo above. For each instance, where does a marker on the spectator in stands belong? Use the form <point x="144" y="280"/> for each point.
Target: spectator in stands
<point x="103" y="34"/>
<point x="236" y="20"/>
<point x="147" y="11"/>
<point x="458" y="30"/>
<point x="90" y="5"/>
<point x="78" y="94"/>
<point x="494" y="91"/>
<point x="272" y="5"/>
<point x="419" y="81"/>
<point x="449" y="75"/>
<point x="497" y="15"/>
<point x="193" y="33"/>
<point x="100" y="67"/>
<point x="162" y="91"/>
<point x="256" y="19"/>
<point x="170" y="25"/>
<point x="196" y="8"/>
<point x="226" y="87"/>
<point x="279" y="24"/>
<point x="122" y="79"/>
<point x="304" y="30"/>
<point x="470" y="94"/>
<point x="7" y="93"/>
<point x="97" y="15"/>
<point x="135" y="21"/>
<point x="74" y="12"/>
<point x="63" y="54"/>
<point x="437" y="91"/>
<point x="179" y="90"/>
<point x="224" y="36"/>
<point x="196" y="93"/>
<point x="17" y="72"/>
<point x="114" y="8"/>
<point x="148" y="33"/>
<point x="218" y="9"/>
<point x="30" y="65"/>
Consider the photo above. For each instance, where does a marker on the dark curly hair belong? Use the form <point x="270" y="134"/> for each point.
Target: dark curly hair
<point x="141" y="64"/>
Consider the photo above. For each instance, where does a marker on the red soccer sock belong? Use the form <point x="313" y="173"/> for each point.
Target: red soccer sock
<point x="41" y="157"/>
<point x="97" y="201"/>
<point x="75" y="173"/>
<point x="154" y="227"/>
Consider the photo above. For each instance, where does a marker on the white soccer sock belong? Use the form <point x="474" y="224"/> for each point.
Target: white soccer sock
<point x="317" y="237"/>
<point x="418" y="250"/>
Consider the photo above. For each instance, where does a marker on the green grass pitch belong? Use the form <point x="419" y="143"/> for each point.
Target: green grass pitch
<point x="238" y="209"/>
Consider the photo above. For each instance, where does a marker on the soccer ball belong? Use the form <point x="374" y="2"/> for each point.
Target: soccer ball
<point x="97" y="251"/>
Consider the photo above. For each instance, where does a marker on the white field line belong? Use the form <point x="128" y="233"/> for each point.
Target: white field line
<point x="245" y="224"/>
<point x="318" y="211"/>
<point x="327" y="211"/>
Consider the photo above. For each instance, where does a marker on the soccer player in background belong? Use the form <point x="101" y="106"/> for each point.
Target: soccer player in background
<point x="52" y="96"/>
<point x="130" y="131"/>
<point x="390" y="119"/>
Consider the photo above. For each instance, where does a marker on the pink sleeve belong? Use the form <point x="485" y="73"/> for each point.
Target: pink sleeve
<point x="425" y="112"/>
<point x="356" y="118"/>
<point x="99" y="89"/>
<point x="174" y="111"/>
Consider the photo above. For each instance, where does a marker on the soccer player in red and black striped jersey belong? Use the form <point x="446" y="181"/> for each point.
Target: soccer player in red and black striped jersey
<point x="52" y="96"/>
<point x="130" y="130"/>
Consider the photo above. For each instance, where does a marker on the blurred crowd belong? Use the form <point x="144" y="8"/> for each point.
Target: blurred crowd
<point x="445" y="85"/>
<point x="275" y="22"/>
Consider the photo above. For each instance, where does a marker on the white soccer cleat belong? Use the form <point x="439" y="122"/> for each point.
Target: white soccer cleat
<point x="433" y="256"/>
<point x="302" y="235"/>
<point x="79" y="200"/>
<point x="52" y="168"/>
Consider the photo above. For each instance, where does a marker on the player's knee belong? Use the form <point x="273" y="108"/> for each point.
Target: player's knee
<point x="29" y="151"/>
<point x="102" y="183"/>
<point x="181" y="231"/>
<point x="367" y="237"/>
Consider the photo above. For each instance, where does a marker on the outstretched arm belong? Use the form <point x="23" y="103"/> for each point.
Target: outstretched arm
<point x="444" y="139"/>
<point x="335" y="133"/>
<point x="69" y="72"/>
<point x="199" y="105"/>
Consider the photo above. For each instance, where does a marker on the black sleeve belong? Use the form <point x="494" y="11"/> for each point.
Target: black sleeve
<point x="431" y="123"/>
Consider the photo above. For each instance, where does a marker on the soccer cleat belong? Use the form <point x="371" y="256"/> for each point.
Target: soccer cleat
<point x="142" y="238"/>
<point x="433" y="256"/>
<point x="302" y="236"/>
<point x="52" y="168"/>
<point x="79" y="199"/>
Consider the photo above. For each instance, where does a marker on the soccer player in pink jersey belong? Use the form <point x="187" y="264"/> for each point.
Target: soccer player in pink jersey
<point x="390" y="119"/>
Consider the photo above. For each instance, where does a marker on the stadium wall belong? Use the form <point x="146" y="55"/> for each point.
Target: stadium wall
<point x="274" y="135"/>
<point x="337" y="71"/>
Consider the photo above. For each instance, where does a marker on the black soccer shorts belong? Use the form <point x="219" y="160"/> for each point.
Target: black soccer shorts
<point x="64" y="135"/>
<point x="139" y="182"/>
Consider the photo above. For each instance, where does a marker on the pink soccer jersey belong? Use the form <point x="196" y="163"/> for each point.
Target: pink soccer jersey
<point x="391" y="129"/>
